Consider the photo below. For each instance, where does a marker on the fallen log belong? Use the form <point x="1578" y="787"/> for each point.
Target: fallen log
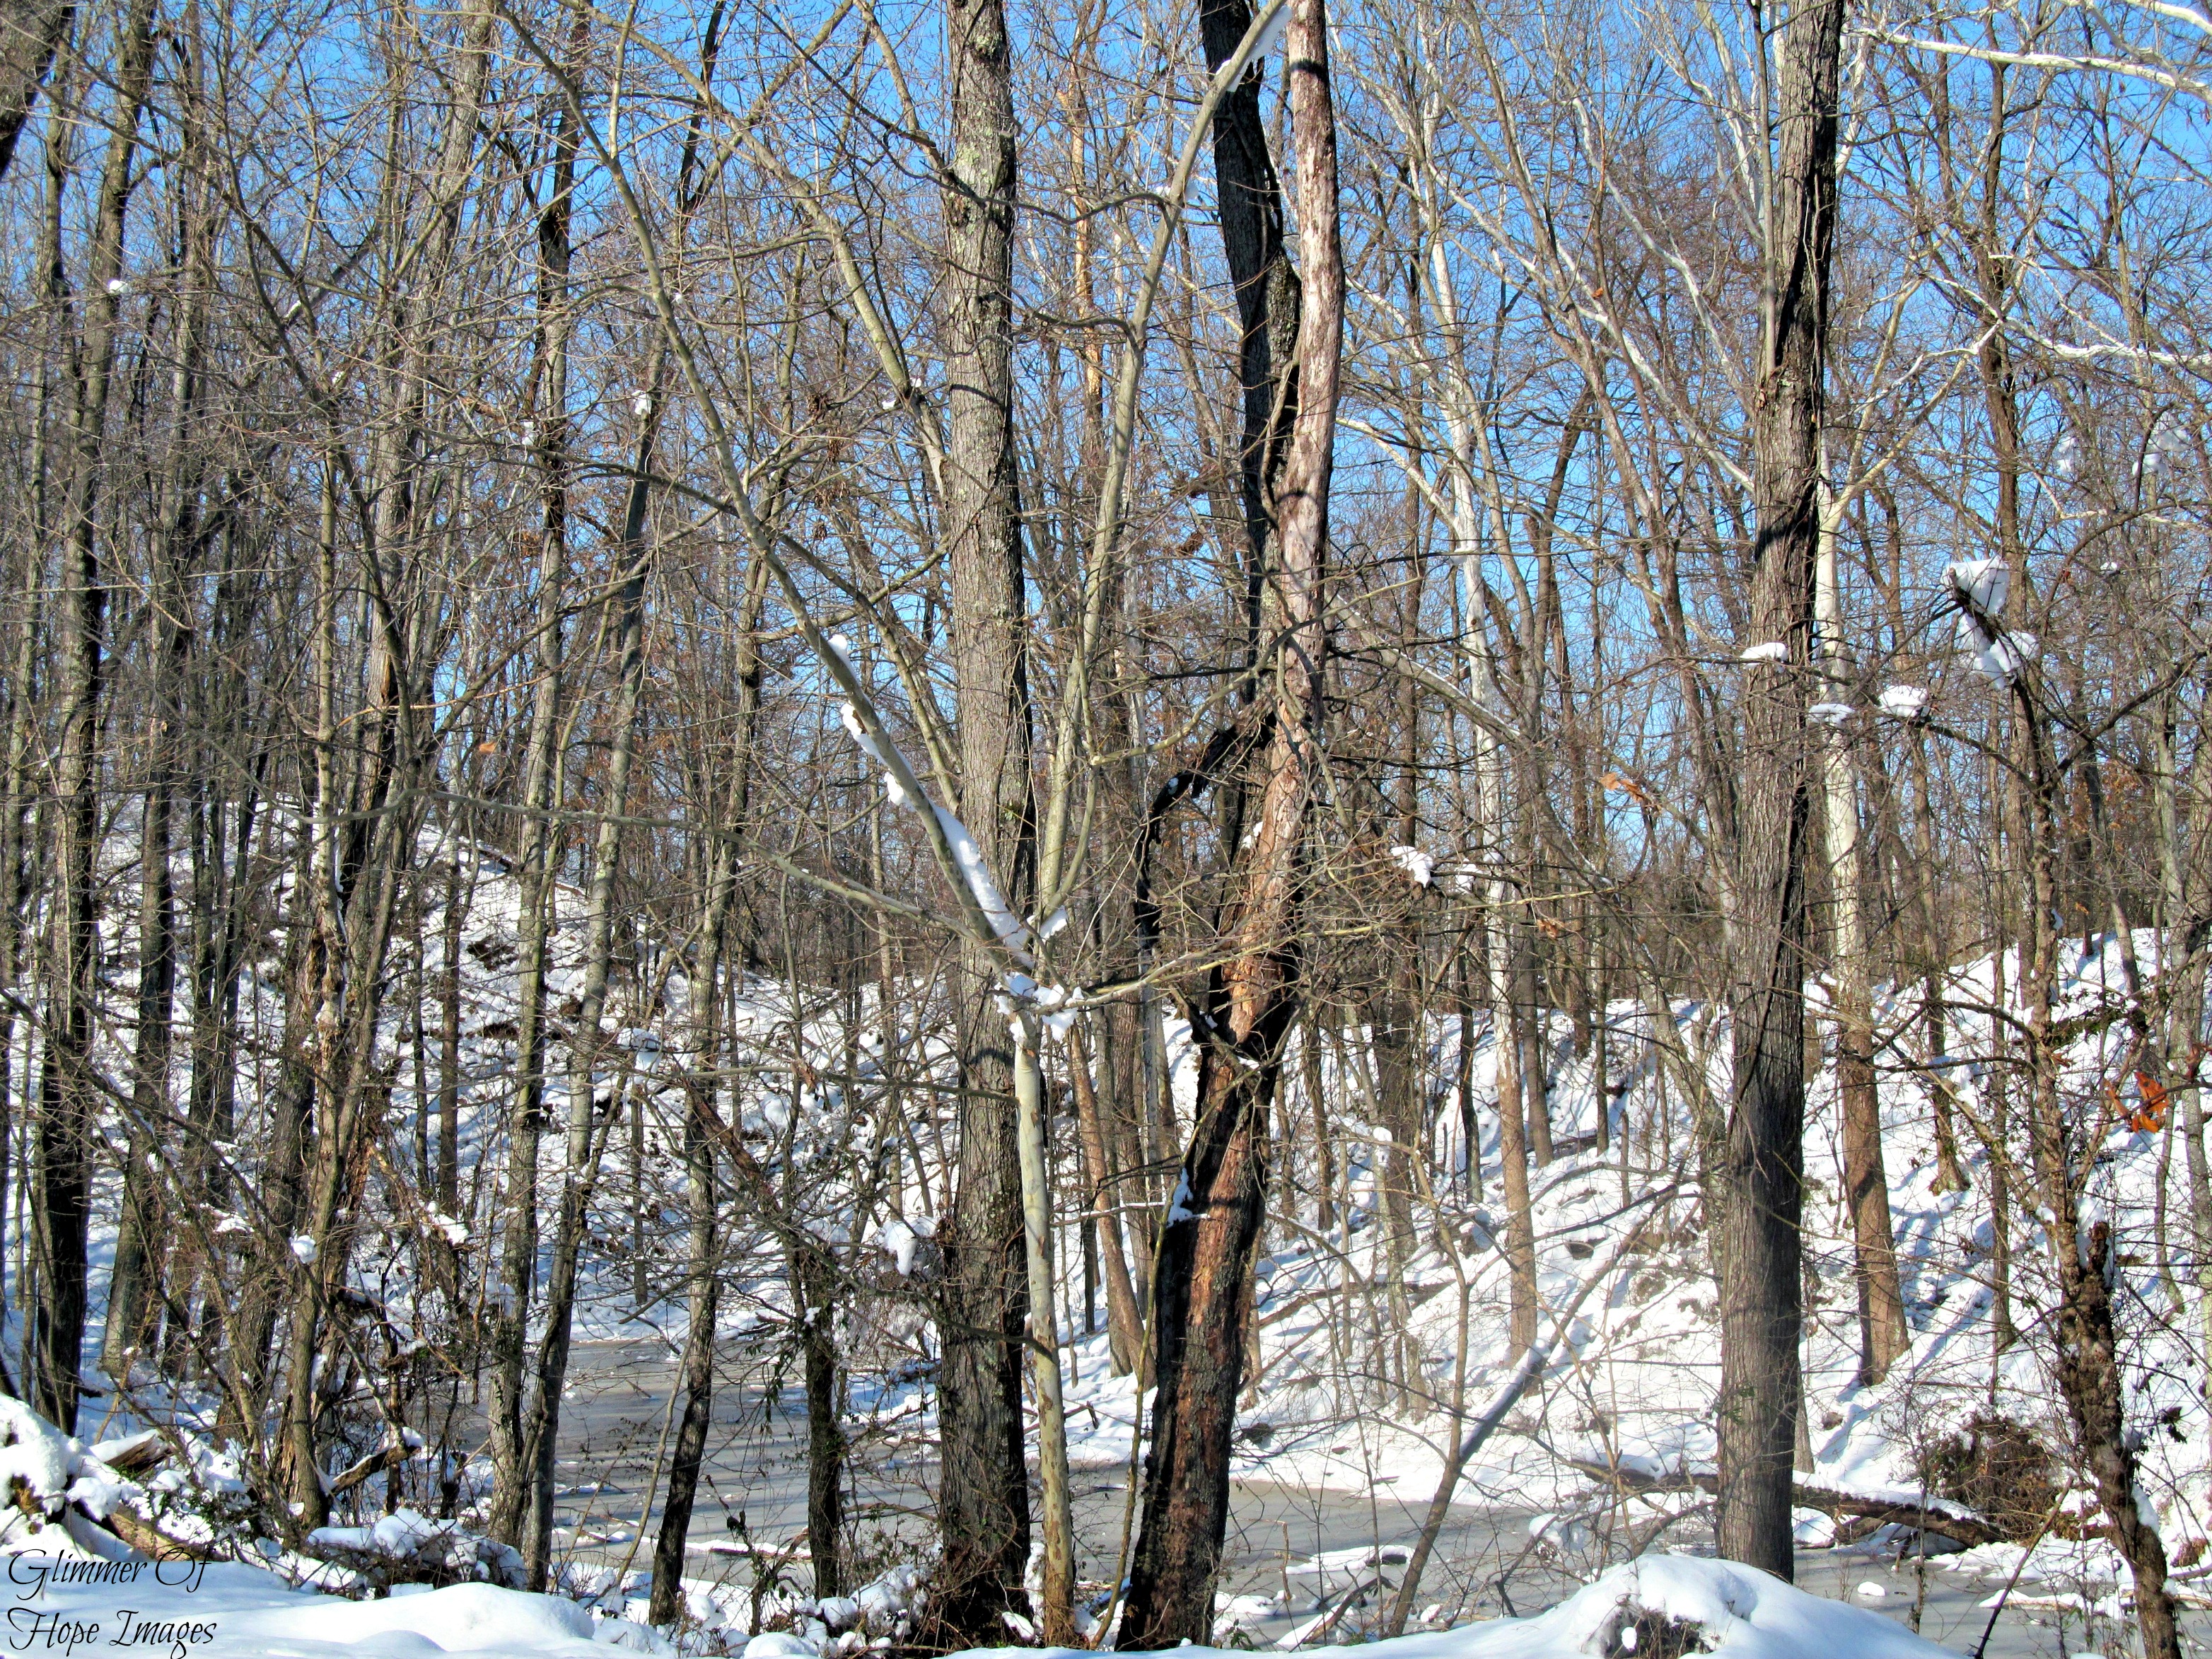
<point x="150" y="1540"/>
<point x="1938" y="1516"/>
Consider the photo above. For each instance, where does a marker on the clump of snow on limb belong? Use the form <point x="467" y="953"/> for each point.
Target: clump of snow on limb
<point x="1419" y="867"/>
<point x="1978" y="588"/>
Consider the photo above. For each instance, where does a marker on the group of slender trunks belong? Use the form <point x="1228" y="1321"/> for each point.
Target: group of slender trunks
<point x="1264" y="768"/>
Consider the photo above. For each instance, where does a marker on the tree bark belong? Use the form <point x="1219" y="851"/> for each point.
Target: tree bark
<point x="587" y="1127"/>
<point x="1125" y="1319"/>
<point x="69" y="1093"/>
<point x="1761" y="1160"/>
<point x="141" y="1246"/>
<point x="984" y="1512"/>
<point x="30" y="36"/>
<point x="703" y="1125"/>
<point x="815" y="1274"/>
<point x="509" y="1305"/>
<point x="1205" y="1270"/>
<point x="1883" y="1334"/>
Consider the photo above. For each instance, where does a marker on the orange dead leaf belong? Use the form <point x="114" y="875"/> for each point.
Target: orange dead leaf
<point x="2155" y="1103"/>
<point x="2148" y="1113"/>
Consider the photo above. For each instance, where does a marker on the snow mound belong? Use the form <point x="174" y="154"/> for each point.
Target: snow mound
<point x="36" y="1453"/>
<point x="1673" y="1605"/>
<point x="47" y="1480"/>
<point x="479" y="1618"/>
<point x="1681" y="1604"/>
<point x="401" y="1533"/>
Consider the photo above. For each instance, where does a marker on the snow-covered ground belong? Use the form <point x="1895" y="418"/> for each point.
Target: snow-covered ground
<point x="1637" y="1607"/>
<point x="1354" y="1386"/>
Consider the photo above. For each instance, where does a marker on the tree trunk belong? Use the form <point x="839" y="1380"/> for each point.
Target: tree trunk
<point x="587" y="1128"/>
<point x="1507" y="1051"/>
<point x="702" y="1128"/>
<point x="1205" y="1270"/>
<point x="1760" y="1159"/>
<point x="984" y="1512"/>
<point x="29" y="39"/>
<point x="1883" y="1335"/>
<point x="2089" y="1367"/>
<point x="536" y="856"/>
<point x="815" y="1274"/>
<point x="1125" y="1319"/>
<point x="703" y="1124"/>
<point x="140" y="1245"/>
<point x="69" y="1103"/>
<point x="459" y="897"/>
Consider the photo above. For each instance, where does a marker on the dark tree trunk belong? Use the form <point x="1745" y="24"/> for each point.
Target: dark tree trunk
<point x="458" y="897"/>
<point x="30" y="35"/>
<point x="1204" y="1285"/>
<point x="1759" y="1163"/>
<point x="1267" y="290"/>
<point x="816" y="1276"/>
<point x="69" y="1094"/>
<point x="702" y="1129"/>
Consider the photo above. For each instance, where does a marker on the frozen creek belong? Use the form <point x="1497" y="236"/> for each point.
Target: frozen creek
<point x="1287" y="1544"/>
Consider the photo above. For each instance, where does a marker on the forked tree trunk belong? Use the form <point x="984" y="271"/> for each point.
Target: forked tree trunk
<point x="1205" y="1270"/>
<point x="1759" y="1163"/>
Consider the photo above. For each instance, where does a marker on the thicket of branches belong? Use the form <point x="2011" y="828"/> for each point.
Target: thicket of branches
<point x="1005" y="528"/>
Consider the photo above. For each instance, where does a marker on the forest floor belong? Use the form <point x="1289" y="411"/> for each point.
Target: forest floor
<point x="1341" y="1434"/>
<point x="1289" y="1543"/>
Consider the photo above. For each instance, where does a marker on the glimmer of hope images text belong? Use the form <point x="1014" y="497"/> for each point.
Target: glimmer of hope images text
<point x="33" y="1629"/>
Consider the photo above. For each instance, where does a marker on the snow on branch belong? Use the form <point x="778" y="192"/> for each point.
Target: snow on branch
<point x="901" y="786"/>
<point x="1978" y="588"/>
